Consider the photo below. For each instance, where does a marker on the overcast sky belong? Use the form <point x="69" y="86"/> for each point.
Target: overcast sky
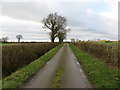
<point x="88" y="19"/>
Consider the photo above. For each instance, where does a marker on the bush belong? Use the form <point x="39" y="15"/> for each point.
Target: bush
<point x="106" y="52"/>
<point x="17" y="56"/>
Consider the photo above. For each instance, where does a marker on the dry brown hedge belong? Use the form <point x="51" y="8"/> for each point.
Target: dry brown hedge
<point x="106" y="52"/>
<point x="17" y="56"/>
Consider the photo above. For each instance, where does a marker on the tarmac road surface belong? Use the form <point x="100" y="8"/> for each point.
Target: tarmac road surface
<point x="73" y="76"/>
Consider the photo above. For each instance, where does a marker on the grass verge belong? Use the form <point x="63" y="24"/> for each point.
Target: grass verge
<point x="19" y="77"/>
<point x="60" y="71"/>
<point x="0" y="84"/>
<point x="100" y="75"/>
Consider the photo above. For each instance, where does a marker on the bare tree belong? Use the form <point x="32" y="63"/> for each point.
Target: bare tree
<point x="19" y="37"/>
<point x="54" y="23"/>
<point x="62" y="34"/>
<point x="4" y="39"/>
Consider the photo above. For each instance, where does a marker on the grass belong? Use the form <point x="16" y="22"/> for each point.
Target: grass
<point x="59" y="73"/>
<point x="100" y="75"/>
<point x="58" y="77"/>
<point x="0" y="84"/>
<point x="19" y="77"/>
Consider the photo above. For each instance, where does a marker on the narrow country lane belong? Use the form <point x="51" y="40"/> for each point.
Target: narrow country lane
<point x="73" y="76"/>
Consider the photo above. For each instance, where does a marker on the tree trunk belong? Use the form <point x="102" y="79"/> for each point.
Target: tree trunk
<point x="52" y="39"/>
<point x="18" y="40"/>
<point x="60" y="40"/>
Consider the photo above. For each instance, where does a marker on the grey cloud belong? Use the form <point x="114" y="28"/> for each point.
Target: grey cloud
<point x="25" y="10"/>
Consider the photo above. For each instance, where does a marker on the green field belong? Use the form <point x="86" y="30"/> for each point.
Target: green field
<point x="9" y="43"/>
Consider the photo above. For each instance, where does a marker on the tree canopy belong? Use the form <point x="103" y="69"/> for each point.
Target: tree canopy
<point x="56" y="24"/>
